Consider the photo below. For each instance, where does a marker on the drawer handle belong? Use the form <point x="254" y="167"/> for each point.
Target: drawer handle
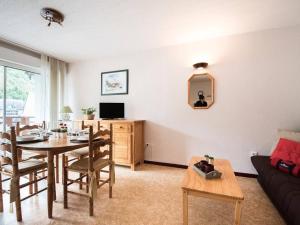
<point x="121" y="127"/>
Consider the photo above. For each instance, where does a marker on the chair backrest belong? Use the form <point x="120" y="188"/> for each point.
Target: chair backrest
<point x="29" y="127"/>
<point x="97" y="140"/>
<point x="9" y="149"/>
<point x="14" y="151"/>
<point x="5" y="149"/>
<point x="86" y="126"/>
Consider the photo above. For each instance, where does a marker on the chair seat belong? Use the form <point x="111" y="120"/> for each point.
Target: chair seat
<point x="82" y="165"/>
<point x="29" y="155"/>
<point x="27" y="166"/>
<point x="78" y="152"/>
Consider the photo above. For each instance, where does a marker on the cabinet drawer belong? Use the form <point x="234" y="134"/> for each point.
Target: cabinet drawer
<point x="121" y="127"/>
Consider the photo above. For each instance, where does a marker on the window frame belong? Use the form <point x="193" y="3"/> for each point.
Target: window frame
<point x="7" y="64"/>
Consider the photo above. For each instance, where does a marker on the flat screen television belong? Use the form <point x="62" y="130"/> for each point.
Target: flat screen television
<point x="111" y="110"/>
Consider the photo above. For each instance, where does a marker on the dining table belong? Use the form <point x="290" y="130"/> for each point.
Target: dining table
<point x="52" y="147"/>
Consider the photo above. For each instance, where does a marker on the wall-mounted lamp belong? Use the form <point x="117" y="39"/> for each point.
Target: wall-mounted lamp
<point x="200" y="68"/>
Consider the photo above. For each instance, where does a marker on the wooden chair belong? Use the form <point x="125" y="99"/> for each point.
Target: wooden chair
<point x="28" y="155"/>
<point x="78" y="153"/>
<point x="15" y="169"/>
<point x="89" y="167"/>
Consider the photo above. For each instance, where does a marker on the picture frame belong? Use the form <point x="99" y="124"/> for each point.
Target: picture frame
<point x="114" y="82"/>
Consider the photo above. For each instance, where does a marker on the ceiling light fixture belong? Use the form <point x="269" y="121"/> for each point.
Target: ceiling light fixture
<point x="52" y="15"/>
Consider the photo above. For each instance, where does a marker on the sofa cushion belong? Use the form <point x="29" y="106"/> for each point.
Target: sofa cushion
<point x="287" y="150"/>
<point x="287" y="134"/>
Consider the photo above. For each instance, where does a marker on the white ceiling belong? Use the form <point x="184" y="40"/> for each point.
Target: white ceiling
<point x="98" y="28"/>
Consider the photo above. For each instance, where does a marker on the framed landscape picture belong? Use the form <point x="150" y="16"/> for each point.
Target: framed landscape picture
<point x="114" y="82"/>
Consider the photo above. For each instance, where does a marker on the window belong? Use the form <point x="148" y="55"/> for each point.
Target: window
<point x="21" y="95"/>
<point x="1" y="96"/>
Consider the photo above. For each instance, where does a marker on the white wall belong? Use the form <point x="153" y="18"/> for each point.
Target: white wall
<point x="257" y="91"/>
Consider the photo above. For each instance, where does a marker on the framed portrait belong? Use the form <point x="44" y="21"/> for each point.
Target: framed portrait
<point x="114" y="82"/>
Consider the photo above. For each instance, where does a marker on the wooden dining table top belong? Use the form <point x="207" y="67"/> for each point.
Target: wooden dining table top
<point x="53" y="144"/>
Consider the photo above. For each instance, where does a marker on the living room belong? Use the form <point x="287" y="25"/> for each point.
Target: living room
<point x="252" y="53"/>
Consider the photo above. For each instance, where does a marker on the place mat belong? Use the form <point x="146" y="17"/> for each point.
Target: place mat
<point x="37" y="139"/>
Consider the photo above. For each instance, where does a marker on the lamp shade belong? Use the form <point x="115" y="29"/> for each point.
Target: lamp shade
<point x="66" y="109"/>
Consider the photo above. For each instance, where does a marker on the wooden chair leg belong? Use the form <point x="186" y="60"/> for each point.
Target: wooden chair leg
<point x="110" y="187"/>
<point x="18" y="202"/>
<point x="87" y="184"/>
<point x="66" y="160"/>
<point x="80" y="174"/>
<point x="1" y="194"/>
<point x="62" y="167"/>
<point x="97" y="177"/>
<point x="36" y="189"/>
<point x="57" y="168"/>
<point x="110" y="191"/>
<point x="65" y="172"/>
<point x="43" y="173"/>
<point x="80" y="180"/>
<point x="54" y="189"/>
<point x="30" y="186"/>
<point x="91" y="202"/>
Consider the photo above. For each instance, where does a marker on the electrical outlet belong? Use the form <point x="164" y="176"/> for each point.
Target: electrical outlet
<point x="148" y="151"/>
<point x="253" y="153"/>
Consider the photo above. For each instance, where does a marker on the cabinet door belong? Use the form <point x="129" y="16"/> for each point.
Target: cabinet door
<point x="122" y="148"/>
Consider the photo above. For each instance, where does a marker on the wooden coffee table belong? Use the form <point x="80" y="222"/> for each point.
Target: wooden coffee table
<point x="224" y="189"/>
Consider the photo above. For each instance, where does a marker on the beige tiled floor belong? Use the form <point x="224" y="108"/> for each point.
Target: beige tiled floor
<point x="150" y="195"/>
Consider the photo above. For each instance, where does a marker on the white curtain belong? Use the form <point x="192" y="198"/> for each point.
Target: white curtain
<point x="55" y="74"/>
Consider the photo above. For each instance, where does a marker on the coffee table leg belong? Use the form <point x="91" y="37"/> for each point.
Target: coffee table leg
<point x="238" y="211"/>
<point x="50" y="183"/>
<point x="185" y="207"/>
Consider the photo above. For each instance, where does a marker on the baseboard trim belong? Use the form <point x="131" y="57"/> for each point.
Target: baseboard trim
<point x="166" y="164"/>
<point x="249" y="175"/>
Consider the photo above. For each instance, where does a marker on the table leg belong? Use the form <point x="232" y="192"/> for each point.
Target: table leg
<point x="238" y="211"/>
<point x="50" y="183"/>
<point x="185" y="207"/>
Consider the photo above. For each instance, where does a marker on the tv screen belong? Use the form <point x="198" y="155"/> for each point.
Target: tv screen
<point x="111" y="110"/>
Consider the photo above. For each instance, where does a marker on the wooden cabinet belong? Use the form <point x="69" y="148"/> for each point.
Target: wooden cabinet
<point x="128" y="140"/>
